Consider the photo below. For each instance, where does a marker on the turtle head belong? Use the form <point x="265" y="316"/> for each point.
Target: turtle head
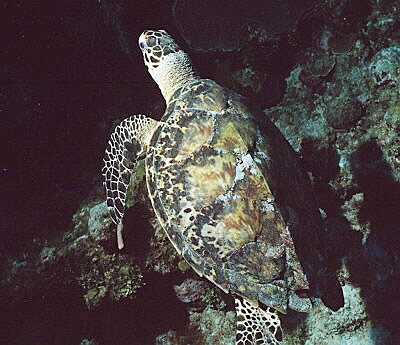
<point x="168" y="64"/>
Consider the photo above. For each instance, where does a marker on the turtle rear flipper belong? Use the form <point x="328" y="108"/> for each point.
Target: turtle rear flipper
<point x="255" y="326"/>
<point x="127" y="145"/>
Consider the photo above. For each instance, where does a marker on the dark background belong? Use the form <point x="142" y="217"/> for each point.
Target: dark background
<point x="68" y="70"/>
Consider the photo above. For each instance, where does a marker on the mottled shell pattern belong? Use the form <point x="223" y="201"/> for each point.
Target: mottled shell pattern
<point x="225" y="185"/>
<point x="213" y="170"/>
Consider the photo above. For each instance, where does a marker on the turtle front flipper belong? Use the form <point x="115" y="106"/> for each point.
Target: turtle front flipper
<point x="128" y="143"/>
<point x="255" y="326"/>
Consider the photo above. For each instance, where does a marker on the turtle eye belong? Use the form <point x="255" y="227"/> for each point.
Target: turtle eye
<point x="141" y="45"/>
<point x="151" y="41"/>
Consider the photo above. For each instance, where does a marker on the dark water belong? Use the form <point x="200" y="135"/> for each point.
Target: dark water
<point x="68" y="71"/>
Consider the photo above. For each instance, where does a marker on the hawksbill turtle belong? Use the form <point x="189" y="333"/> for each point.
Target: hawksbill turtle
<point x="225" y="185"/>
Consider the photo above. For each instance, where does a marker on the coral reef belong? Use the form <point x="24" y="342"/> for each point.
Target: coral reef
<point x="223" y="32"/>
<point x="191" y="291"/>
<point x="345" y="124"/>
<point x="207" y="328"/>
<point x="340" y="109"/>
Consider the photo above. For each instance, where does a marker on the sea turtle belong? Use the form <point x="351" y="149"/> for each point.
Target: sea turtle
<point x="225" y="185"/>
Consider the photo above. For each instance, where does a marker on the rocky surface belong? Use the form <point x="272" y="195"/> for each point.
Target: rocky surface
<point x="340" y="110"/>
<point x="224" y="22"/>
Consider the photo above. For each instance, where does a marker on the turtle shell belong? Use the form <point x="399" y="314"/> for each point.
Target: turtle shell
<point x="227" y="189"/>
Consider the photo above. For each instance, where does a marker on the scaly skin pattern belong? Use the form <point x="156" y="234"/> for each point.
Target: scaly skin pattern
<point x="212" y="174"/>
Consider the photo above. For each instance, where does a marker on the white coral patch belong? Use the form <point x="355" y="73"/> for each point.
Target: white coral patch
<point x="228" y="196"/>
<point x="267" y="205"/>
<point x="245" y="162"/>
